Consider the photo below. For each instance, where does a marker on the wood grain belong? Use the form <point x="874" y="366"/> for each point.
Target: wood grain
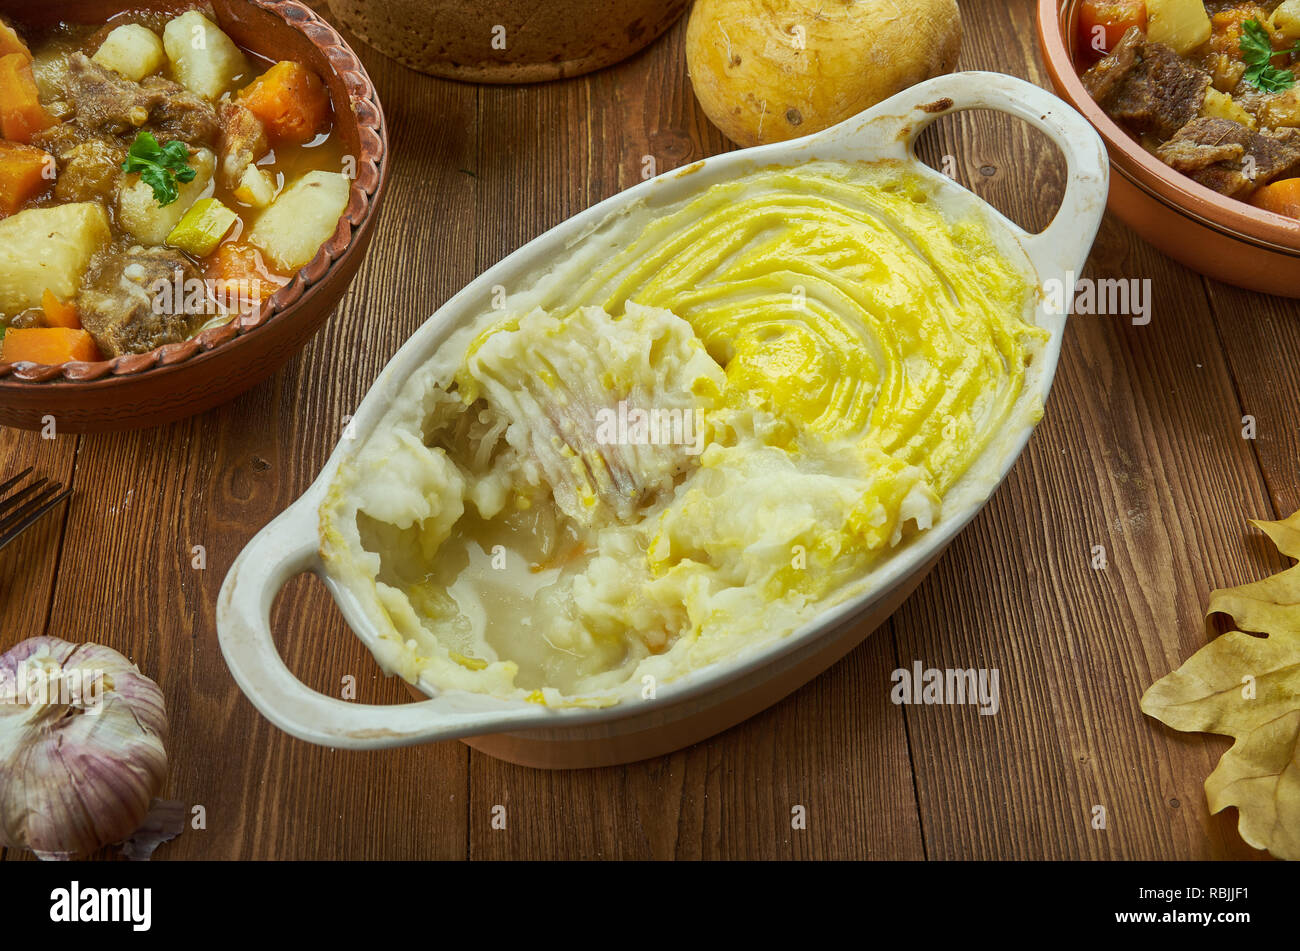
<point x="27" y="566"/>
<point x="1141" y="453"/>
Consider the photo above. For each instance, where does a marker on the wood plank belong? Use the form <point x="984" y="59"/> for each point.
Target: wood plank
<point x="1260" y="336"/>
<point x="27" y="565"/>
<point x="1077" y="646"/>
<point x="836" y="748"/>
<point x="1140" y="453"/>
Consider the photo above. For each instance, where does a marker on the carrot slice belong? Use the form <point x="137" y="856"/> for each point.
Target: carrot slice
<point x="47" y="345"/>
<point x="24" y="174"/>
<point x="291" y="101"/>
<point x="1103" y="23"/>
<point x="238" y="276"/>
<point x="1281" y="197"/>
<point x="58" y="313"/>
<point x="21" y="112"/>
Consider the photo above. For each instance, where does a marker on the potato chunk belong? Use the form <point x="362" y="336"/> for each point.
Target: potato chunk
<point x="139" y="213"/>
<point x="133" y="51"/>
<point x="50" y="70"/>
<point x="256" y="187"/>
<point x="1282" y="109"/>
<point x="1220" y="105"/>
<point x="1181" y="25"/>
<point x="292" y="230"/>
<point x="48" y="249"/>
<point x="204" y="60"/>
<point x="1286" y="19"/>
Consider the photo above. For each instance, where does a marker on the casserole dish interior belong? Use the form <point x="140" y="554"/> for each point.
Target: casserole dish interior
<point x="290" y="544"/>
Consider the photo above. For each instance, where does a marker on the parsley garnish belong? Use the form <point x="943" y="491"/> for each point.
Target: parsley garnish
<point x="160" y="166"/>
<point x="1257" y="53"/>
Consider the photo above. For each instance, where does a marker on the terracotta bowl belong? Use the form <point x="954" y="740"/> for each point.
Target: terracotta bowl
<point x="1221" y="237"/>
<point x="505" y="41"/>
<point x="181" y="379"/>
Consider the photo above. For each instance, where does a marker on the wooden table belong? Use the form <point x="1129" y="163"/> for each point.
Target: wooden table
<point x="1141" y="452"/>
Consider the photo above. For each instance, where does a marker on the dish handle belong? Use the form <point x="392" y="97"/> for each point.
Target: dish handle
<point x="1065" y="242"/>
<point x="287" y="547"/>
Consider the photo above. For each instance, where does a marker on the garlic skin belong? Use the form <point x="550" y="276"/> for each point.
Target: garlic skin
<point x="78" y="767"/>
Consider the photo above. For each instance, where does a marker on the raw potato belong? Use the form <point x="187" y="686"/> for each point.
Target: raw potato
<point x="139" y="213"/>
<point x="764" y="75"/>
<point x="204" y="60"/>
<point x="292" y="230"/>
<point x="48" y="248"/>
<point x="1220" y="105"/>
<point x="133" y="51"/>
<point x="1182" y="25"/>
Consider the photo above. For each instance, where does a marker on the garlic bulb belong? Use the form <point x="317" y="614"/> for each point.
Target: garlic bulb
<point x="82" y="754"/>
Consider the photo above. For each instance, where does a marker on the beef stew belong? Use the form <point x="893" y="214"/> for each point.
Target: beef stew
<point x="1209" y="88"/>
<point x="155" y="179"/>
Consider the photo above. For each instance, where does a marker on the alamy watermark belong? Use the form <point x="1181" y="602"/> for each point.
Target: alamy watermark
<point x="211" y="298"/>
<point x="948" y="685"/>
<point x="42" y="685"/>
<point x="1102" y="297"/>
<point x="632" y="426"/>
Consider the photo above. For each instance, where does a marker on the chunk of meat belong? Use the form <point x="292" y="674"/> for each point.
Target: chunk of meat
<point x="89" y="165"/>
<point x="243" y="142"/>
<point x="1106" y="76"/>
<point x="1147" y="86"/>
<point x="135" y="299"/>
<point x="1230" y="158"/>
<point x="106" y="103"/>
<point x="90" y="172"/>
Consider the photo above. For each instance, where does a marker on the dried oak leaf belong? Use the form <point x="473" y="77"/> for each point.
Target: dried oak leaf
<point x="1247" y="686"/>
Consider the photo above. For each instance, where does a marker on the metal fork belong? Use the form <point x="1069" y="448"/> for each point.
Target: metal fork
<point x="21" y="507"/>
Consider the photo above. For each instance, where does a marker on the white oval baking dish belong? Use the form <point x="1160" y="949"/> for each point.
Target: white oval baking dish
<point x="713" y="698"/>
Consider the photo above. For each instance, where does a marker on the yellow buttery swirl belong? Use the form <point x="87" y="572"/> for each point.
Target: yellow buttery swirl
<point x="840" y="296"/>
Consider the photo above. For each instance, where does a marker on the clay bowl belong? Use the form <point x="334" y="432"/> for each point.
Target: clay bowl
<point x="180" y="379"/>
<point x="1221" y="237"/>
<point x="504" y="41"/>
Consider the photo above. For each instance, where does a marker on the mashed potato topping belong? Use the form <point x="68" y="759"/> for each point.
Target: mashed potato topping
<point x="704" y="426"/>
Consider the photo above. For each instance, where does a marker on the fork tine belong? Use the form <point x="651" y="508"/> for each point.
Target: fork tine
<point x="6" y="486"/>
<point x="21" y="494"/>
<point x="22" y="526"/>
<point x="7" y="520"/>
